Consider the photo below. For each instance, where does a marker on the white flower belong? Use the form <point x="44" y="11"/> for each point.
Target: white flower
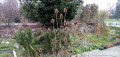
<point x="7" y="43"/>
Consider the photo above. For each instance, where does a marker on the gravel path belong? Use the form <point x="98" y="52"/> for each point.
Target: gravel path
<point x="111" y="52"/>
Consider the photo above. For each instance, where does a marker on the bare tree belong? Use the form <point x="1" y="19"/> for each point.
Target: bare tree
<point x="9" y="11"/>
<point x="0" y="12"/>
<point x="86" y="13"/>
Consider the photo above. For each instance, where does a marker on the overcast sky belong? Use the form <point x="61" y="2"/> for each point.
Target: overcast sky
<point x="102" y="4"/>
<point x="1" y="0"/>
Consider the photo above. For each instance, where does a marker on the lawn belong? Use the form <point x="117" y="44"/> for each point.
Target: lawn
<point x="92" y="38"/>
<point x="92" y="42"/>
<point x="115" y="28"/>
<point x="112" y="20"/>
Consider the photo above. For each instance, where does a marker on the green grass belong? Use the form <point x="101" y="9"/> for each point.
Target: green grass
<point x="7" y="46"/>
<point x="111" y="20"/>
<point x="4" y="54"/>
<point x="92" y="38"/>
<point x="93" y="42"/>
<point x="115" y="28"/>
<point x="101" y="40"/>
<point x="11" y="41"/>
<point x="3" y="46"/>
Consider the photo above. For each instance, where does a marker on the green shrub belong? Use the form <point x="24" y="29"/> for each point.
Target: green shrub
<point x="106" y="31"/>
<point x="37" y="32"/>
<point x="47" y="39"/>
<point x="83" y="49"/>
<point x="24" y="37"/>
<point x="117" y="32"/>
<point x="112" y="38"/>
<point x="75" y="51"/>
<point x="4" y="46"/>
<point x="43" y="10"/>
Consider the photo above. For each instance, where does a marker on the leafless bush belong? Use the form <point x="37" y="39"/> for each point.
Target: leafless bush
<point x="9" y="11"/>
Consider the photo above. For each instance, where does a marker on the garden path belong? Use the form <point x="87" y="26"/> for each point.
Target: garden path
<point x="110" y="52"/>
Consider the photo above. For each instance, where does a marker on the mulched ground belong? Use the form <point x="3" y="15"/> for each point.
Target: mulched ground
<point x="9" y="30"/>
